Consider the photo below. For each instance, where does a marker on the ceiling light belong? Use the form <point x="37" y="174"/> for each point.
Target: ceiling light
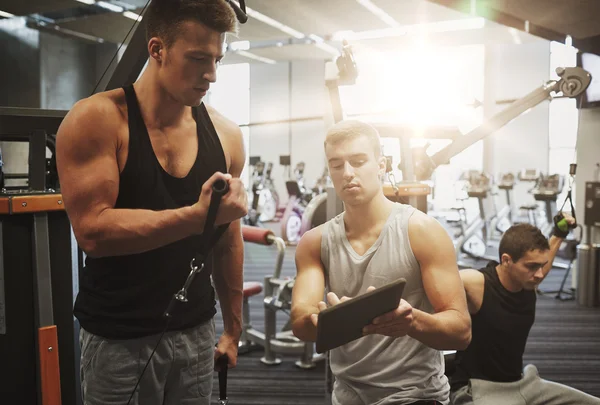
<point x="382" y="15"/>
<point x="320" y="43"/>
<point x="109" y="6"/>
<point x="5" y="14"/>
<point x="87" y="1"/>
<point x="440" y="26"/>
<point x="132" y="15"/>
<point x="239" y="45"/>
<point x="256" y="57"/>
<point x="274" y="23"/>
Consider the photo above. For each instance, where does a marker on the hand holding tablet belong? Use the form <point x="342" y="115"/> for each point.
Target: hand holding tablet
<point x="346" y="321"/>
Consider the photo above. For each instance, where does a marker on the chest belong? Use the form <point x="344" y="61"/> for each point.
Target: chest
<point x="175" y="149"/>
<point x="362" y="243"/>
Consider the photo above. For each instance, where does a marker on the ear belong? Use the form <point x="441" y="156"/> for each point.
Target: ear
<point x="506" y="259"/>
<point x="155" y="49"/>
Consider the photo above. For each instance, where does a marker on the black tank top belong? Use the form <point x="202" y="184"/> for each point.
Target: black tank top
<point x="124" y="297"/>
<point x="499" y="334"/>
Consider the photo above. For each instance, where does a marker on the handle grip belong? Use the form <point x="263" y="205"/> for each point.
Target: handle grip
<point x="221" y="365"/>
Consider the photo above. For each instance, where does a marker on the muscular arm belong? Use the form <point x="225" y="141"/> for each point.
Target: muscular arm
<point x="449" y="327"/>
<point x="554" y="243"/>
<point x="474" y="283"/>
<point x="86" y="151"/>
<point x="228" y="257"/>
<point x="309" y="286"/>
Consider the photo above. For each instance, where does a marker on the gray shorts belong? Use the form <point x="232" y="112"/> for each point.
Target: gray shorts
<point x="529" y="390"/>
<point x="180" y="372"/>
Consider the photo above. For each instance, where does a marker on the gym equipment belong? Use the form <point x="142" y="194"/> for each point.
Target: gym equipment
<point x="38" y="273"/>
<point x="504" y="219"/>
<point x="414" y="194"/>
<point x="572" y="82"/>
<point x="277" y="298"/>
<point x="474" y="236"/>
<point x="530" y="176"/>
<point x="299" y="198"/>
<point x="588" y="254"/>
<point x="263" y="198"/>
<point x="222" y="365"/>
<point x="547" y="191"/>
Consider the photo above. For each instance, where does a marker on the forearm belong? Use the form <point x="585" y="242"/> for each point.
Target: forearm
<point x="447" y="330"/>
<point x="302" y="325"/>
<point x="228" y="277"/>
<point x="119" y="232"/>
<point x="554" y="243"/>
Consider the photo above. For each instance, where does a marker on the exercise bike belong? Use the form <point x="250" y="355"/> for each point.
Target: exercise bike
<point x="277" y="299"/>
<point x="263" y="199"/>
<point x="473" y="236"/>
<point x="300" y="206"/>
<point x="503" y="219"/>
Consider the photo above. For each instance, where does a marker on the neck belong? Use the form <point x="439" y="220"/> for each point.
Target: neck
<point x="505" y="279"/>
<point x="365" y="216"/>
<point x="158" y="107"/>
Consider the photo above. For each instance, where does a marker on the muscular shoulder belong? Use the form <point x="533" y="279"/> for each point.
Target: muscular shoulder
<point x="94" y="120"/>
<point x="427" y="235"/>
<point x="474" y="284"/>
<point x="231" y="138"/>
<point x="310" y="243"/>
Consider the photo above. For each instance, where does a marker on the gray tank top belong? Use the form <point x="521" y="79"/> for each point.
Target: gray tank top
<point x="381" y="369"/>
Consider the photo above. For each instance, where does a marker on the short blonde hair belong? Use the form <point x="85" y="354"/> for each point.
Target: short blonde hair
<point x="352" y="129"/>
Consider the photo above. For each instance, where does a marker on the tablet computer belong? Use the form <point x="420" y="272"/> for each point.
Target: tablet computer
<point x="343" y="323"/>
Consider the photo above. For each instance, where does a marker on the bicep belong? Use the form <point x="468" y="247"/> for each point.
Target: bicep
<point x="309" y="285"/>
<point x="439" y="271"/>
<point x="87" y="166"/>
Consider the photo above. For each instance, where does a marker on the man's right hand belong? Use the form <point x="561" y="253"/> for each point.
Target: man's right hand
<point x="234" y="204"/>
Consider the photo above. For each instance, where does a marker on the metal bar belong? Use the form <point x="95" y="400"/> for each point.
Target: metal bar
<point x="42" y="273"/>
<point x="496" y="122"/>
<point x="37" y="160"/>
<point x="131" y="63"/>
<point x="26" y="120"/>
<point x="2" y="296"/>
<point x="336" y="103"/>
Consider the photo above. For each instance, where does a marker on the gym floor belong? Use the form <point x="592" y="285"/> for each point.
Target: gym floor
<point x="563" y="344"/>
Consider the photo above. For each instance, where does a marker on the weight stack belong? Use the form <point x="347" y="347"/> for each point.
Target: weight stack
<point x="588" y="277"/>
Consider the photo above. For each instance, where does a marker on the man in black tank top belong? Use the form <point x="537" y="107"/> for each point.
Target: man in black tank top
<point x="501" y="299"/>
<point x="136" y="168"/>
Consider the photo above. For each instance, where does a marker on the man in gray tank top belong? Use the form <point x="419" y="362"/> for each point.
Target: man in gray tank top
<point x="376" y="241"/>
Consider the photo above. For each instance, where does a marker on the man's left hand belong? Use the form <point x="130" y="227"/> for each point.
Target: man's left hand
<point x="228" y="344"/>
<point x="396" y="323"/>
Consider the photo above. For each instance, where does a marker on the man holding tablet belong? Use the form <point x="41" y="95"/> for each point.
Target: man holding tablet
<point x="373" y="243"/>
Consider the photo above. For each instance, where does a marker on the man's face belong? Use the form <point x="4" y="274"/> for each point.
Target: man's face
<point x="528" y="270"/>
<point x="354" y="170"/>
<point x="190" y="64"/>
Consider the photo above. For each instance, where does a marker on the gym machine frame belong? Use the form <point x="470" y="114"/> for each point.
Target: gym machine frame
<point x="277" y="297"/>
<point x="37" y="127"/>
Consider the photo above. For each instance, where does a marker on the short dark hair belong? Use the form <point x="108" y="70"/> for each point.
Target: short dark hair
<point x="520" y="239"/>
<point x="165" y="17"/>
